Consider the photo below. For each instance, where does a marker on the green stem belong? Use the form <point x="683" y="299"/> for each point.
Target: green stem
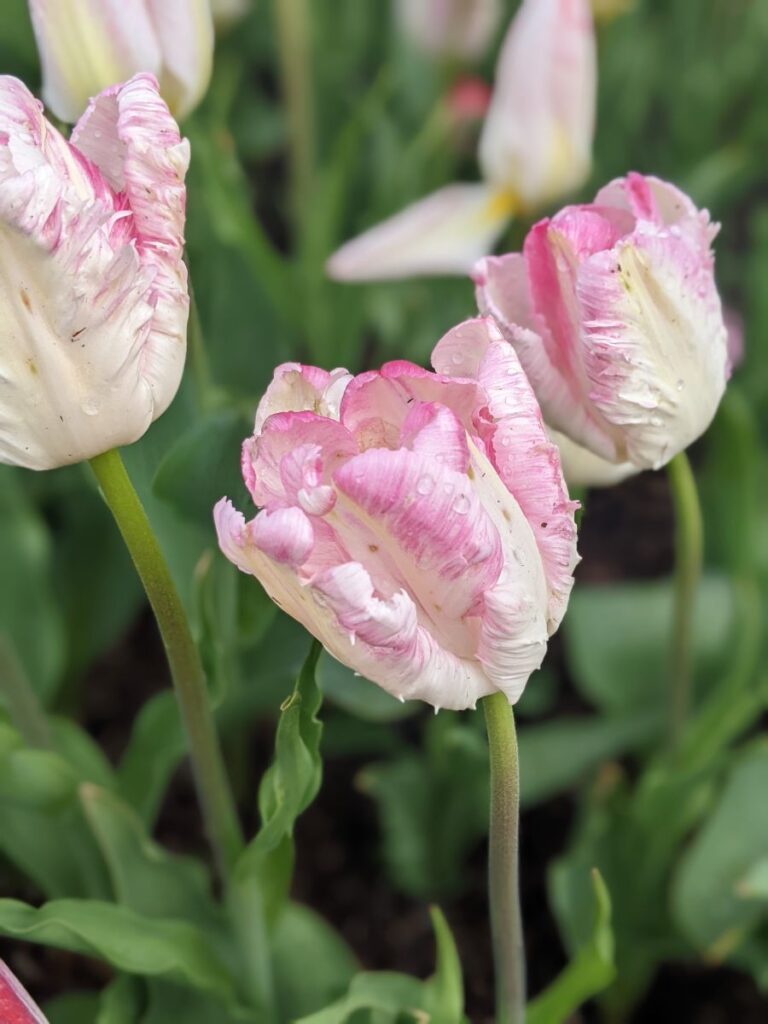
<point x="213" y="788"/>
<point x="689" y="541"/>
<point x="506" y="921"/>
<point x="294" y="35"/>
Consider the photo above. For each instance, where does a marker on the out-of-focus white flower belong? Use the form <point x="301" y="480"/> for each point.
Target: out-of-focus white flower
<point x="87" y="46"/>
<point x="226" y="12"/>
<point x="93" y="288"/>
<point x="449" y="28"/>
<point x="535" y="146"/>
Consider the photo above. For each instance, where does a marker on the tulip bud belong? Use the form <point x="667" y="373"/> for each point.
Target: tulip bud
<point x="613" y="310"/>
<point x="93" y="291"/>
<point x="88" y="45"/>
<point x="537" y="138"/>
<point x="15" y="1005"/>
<point x="417" y="525"/>
<point x="449" y="28"/>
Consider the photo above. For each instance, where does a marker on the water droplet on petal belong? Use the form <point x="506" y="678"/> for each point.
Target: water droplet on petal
<point x="425" y="484"/>
<point x="91" y="407"/>
<point x="461" y="505"/>
<point x="680" y="384"/>
<point x="456" y="358"/>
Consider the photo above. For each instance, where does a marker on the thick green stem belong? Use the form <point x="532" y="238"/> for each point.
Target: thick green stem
<point x="506" y="921"/>
<point x="216" y="799"/>
<point x="294" y="34"/>
<point x="689" y="542"/>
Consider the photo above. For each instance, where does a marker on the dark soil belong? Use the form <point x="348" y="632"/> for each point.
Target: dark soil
<point x="626" y="533"/>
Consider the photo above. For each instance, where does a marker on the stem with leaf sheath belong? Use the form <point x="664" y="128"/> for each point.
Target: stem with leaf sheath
<point x="506" y="921"/>
<point x="218" y="806"/>
<point x="689" y="542"/>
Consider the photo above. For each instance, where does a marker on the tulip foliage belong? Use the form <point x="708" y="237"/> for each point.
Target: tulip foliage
<point x="257" y="669"/>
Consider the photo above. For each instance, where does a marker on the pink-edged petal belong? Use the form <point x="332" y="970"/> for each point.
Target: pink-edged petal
<point x="655" y="345"/>
<point x="376" y="404"/>
<point x="184" y="30"/>
<point x="425" y="522"/>
<point x="519" y="448"/>
<point x="433" y="430"/>
<point x="16" y="1006"/>
<point x="88" y="44"/>
<point x="129" y="134"/>
<point x="502" y="291"/>
<point x="442" y="234"/>
<point x="295" y="451"/>
<point x="537" y="138"/>
<point x="449" y="28"/>
<point x="298" y="388"/>
<point x="582" y="468"/>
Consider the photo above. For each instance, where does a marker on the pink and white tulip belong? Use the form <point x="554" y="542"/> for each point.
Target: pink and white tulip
<point x="16" y="1007"/>
<point x="87" y="46"/>
<point x="535" y="146"/>
<point x="461" y="29"/>
<point x="93" y="290"/>
<point x="416" y="523"/>
<point x="614" y="313"/>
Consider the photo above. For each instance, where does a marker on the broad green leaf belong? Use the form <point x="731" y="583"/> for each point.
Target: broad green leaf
<point x="120" y="1001"/>
<point x="708" y="897"/>
<point x="447" y="986"/>
<point x="754" y="883"/>
<point x="312" y="964"/>
<point x="144" y="876"/>
<point x="394" y="998"/>
<point x="74" y="1008"/>
<point x="359" y="696"/>
<point x="203" y="466"/>
<point x="590" y="972"/>
<point x="168" y="1003"/>
<point x="289" y="785"/>
<point x="84" y="755"/>
<point x="156" y="746"/>
<point x="128" y="941"/>
<point x="617" y="639"/>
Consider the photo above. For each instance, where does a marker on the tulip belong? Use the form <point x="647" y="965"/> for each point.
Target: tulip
<point x="535" y="146"/>
<point x="93" y="290"/>
<point x="15" y="1005"/>
<point x="613" y="311"/>
<point x="417" y="525"/>
<point x="459" y="29"/>
<point x="88" y="45"/>
<point x="226" y="12"/>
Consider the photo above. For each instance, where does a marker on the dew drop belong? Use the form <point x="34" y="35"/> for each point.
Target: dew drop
<point x="506" y="441"/>
<point x="90" y="407"/>
<point x="461" y="505"/>
<point x="425" y="484"/>
<point x="680" y="384"/>
<point x="456" y="358"/>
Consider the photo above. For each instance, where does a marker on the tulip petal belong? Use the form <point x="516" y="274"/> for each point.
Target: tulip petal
<point x="444" y="233"/>
<point x="298" y="388"/>
<point x="379" y="637"/>
<point x="454" y="29"/>
<point x="519" y="448"/>
<point x="16" y="1007"/>
<point x="582" y="468"/>
<point x="185" y="31"/>
<point x="84" y="44"/>
<point x="537" y="137"/>
<point x="433" y="430"/>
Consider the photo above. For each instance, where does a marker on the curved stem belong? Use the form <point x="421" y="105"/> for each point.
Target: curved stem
<point x="689" y="542"/>
<point x="506" y="921"/>
<point x="216" y="799"/>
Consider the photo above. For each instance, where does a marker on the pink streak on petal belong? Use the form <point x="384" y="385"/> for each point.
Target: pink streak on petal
<point x="432" y="429"/>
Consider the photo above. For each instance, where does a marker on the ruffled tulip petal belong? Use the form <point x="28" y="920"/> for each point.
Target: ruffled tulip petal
<point x="85" y="45"/>
<point x="298" y="388"/>
<point x="537" y="137"/>
<point x="433" y="430"/>
<point x="513" y="640"/>
<point x="16" y="1007"/>
<point x="443" y="234"/>
<point x="519" y="448"/>
<point x="185" y="33"/>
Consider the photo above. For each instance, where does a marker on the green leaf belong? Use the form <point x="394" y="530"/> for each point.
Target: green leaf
<point x="312" y="964"/>
<point x="144" y="876"/>
<point x="203" y="466"/>
<point x="74" y="1008"/>
<point x="617" y="640"/>
<point x="447" y="986"/>
<point x="156" y="746"/>
<point x="590" y="972"/>
<point x="357" y="695"/>
<point x="289" y="785"/>
<point x="169" y="1003"/>
<point x="709" y="901"/>
<point x="120" y="1002"/>
<point x="127" y="941"/>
